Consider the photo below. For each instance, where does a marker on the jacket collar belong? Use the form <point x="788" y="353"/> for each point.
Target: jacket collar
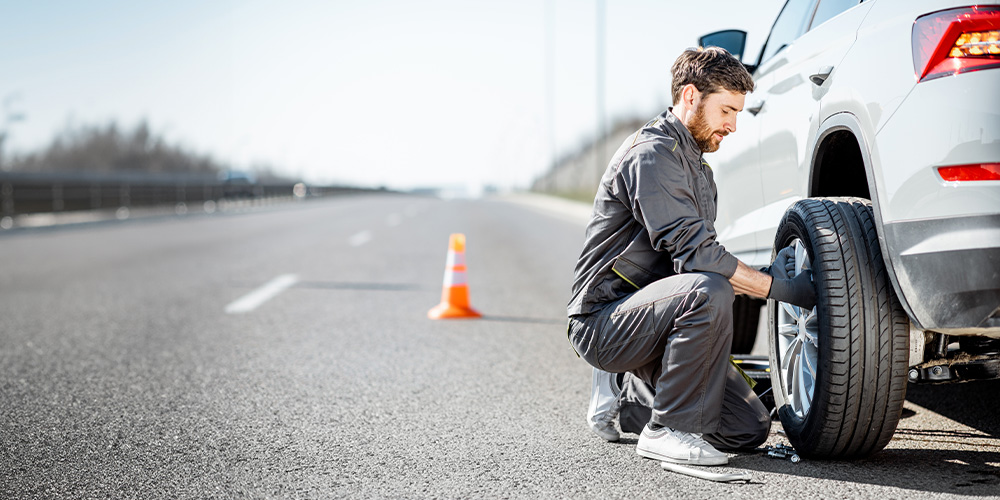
<point x="675" y="128"/>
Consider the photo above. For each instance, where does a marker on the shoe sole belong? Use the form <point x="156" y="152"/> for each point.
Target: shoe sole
<point x="606" y="435"/>
<point x="723" y="460"/>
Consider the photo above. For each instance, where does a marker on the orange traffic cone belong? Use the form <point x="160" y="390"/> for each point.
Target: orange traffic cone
<point x="455" y="295"/>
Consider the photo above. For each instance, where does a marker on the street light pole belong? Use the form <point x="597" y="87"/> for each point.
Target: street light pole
<point x="8" y="118"/>
<point x="601" y="159"/>
<point x="550" y="85"/>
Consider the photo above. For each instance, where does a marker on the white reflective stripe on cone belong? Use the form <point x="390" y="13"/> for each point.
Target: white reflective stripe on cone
<point x="455" y="258"/>
<point x="455" y="278"/>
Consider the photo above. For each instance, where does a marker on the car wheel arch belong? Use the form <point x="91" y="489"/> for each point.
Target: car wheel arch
<point x="836" y="127"/>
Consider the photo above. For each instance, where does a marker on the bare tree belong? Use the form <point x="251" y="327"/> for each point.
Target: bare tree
<point x="106" y="149"/>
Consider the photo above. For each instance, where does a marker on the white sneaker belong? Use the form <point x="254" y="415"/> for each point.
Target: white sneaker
<point x="678" y="447"/>
<point x="606" y="430"/>
<point x="604" y="405"/>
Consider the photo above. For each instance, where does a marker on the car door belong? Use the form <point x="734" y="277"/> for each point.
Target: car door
<point x="741" y="224"/>
<point x="737" y="176"/>
<point x="798" y="64"/>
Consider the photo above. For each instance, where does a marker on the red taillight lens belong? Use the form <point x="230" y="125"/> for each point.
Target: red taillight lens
<point x="956" y="41"/>
<point x="976" y="172"/>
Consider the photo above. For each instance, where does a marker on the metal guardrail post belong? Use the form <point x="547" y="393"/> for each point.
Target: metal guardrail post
<point x="95" y="196"/>
<point x="57" y="198"/>
<point x="6" y="206"/>
<point x="7" y="196"/>
<point x="33" y="193"/>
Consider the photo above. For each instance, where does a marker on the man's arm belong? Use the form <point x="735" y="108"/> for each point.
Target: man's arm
<point x="655" y="183"/>
<point x="749" y="281"/>
<point x="796" y="290"/>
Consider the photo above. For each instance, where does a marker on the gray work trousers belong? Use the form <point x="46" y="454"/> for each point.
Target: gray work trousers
<point x="675" y="336"/>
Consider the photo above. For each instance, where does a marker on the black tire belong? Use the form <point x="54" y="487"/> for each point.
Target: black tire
<point x="746" y="315"/>
<point x="861" y="330"/>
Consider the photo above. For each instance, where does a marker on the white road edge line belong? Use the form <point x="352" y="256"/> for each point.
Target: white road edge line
<point x="360" y="238"/>
<point x="254" y="299"/>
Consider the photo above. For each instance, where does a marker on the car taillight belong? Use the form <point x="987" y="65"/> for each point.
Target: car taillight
<point x="975" y="172"/>
<point x="956" y="41"/>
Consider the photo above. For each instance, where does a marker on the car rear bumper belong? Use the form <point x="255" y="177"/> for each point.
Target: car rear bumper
<point x="948" y="272"/>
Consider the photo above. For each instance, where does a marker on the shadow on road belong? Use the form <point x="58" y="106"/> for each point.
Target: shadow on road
<point x="974" y="404"/>
<point x="942" y="460"/>
<point x="973" y="473"/>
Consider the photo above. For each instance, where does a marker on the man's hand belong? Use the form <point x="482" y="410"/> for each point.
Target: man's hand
<point x="776" y="281"/>
<point x="798" y="290"/>
<point x="783" y="266"/>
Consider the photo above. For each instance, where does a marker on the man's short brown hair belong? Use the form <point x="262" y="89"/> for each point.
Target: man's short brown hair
<point x="710" y="69"/>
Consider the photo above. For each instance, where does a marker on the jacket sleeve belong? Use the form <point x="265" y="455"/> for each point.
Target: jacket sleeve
<point x="656" y="187"/>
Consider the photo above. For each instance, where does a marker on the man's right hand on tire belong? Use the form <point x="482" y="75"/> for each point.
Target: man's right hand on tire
<point x="798" y="290"/>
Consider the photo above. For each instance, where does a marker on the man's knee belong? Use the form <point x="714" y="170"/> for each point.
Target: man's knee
<point x="716" y="285"/>
<point x="758" y="435"/>
<point x="746" y="438"/>
<point x="718" y="291"/>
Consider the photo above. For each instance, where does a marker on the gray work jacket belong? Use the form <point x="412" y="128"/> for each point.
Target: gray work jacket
<point x="653" y="217"/>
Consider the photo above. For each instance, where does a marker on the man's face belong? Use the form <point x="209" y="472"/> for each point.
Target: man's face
<point x="714" y="118"/>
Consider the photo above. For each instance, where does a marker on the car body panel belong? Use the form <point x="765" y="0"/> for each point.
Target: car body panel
<point x="927" y="227"/>
<point x="964" y="129"/>
<point x="737" y="177"/>
<point x="791" y="113"/>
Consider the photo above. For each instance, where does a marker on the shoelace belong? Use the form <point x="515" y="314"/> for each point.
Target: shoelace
<point x="691" y="439"/>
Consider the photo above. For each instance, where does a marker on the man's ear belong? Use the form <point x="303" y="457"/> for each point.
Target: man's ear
<point x="688" y="95"/>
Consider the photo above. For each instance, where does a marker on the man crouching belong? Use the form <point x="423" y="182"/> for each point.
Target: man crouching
<point x="653" y="289"/>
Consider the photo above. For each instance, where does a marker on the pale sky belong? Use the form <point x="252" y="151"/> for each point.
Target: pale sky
<point x="380" y="92"/>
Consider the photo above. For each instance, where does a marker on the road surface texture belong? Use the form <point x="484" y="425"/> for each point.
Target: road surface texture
<point x="285" y="352"/>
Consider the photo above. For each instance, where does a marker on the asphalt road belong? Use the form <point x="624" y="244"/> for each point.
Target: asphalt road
<point x="122" y="374"/>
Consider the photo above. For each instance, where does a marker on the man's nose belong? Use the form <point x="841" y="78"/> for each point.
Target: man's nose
<point x="731" y="126"/>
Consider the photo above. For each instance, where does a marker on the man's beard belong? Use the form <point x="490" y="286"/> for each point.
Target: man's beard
<point x="702" y="133"/>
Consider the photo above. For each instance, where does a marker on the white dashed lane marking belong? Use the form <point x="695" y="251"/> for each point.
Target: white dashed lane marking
<point x="360" y="238"/>
<point x="269" y="290"/>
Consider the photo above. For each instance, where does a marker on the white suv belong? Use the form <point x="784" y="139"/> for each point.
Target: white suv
<point x="872" y="145"/>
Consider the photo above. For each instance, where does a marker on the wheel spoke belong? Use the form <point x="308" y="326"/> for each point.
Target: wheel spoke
<point x="808" y="375"/>
<point x="811" y="340"/>
<point x="788" y="330"/>
<point x="800" y="252"/>
<point x="790" y="353"/>
<point x="811" y="319"/>
<point x="796" y="385"/>
<point x="807" y="353"/>
<point x="792" y="370"/>
<point x="805" y="399"/>
<point x="790" y="309"/>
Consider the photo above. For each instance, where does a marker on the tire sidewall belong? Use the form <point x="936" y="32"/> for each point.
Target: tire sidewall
<point x="801" y="432"/>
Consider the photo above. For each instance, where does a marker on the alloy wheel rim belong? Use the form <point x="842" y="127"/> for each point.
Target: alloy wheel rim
<point x="798" y="346"/>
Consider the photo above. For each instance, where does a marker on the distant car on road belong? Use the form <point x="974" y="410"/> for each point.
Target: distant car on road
<point x="872" y="146"/>
<point x="237" y="184"/>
